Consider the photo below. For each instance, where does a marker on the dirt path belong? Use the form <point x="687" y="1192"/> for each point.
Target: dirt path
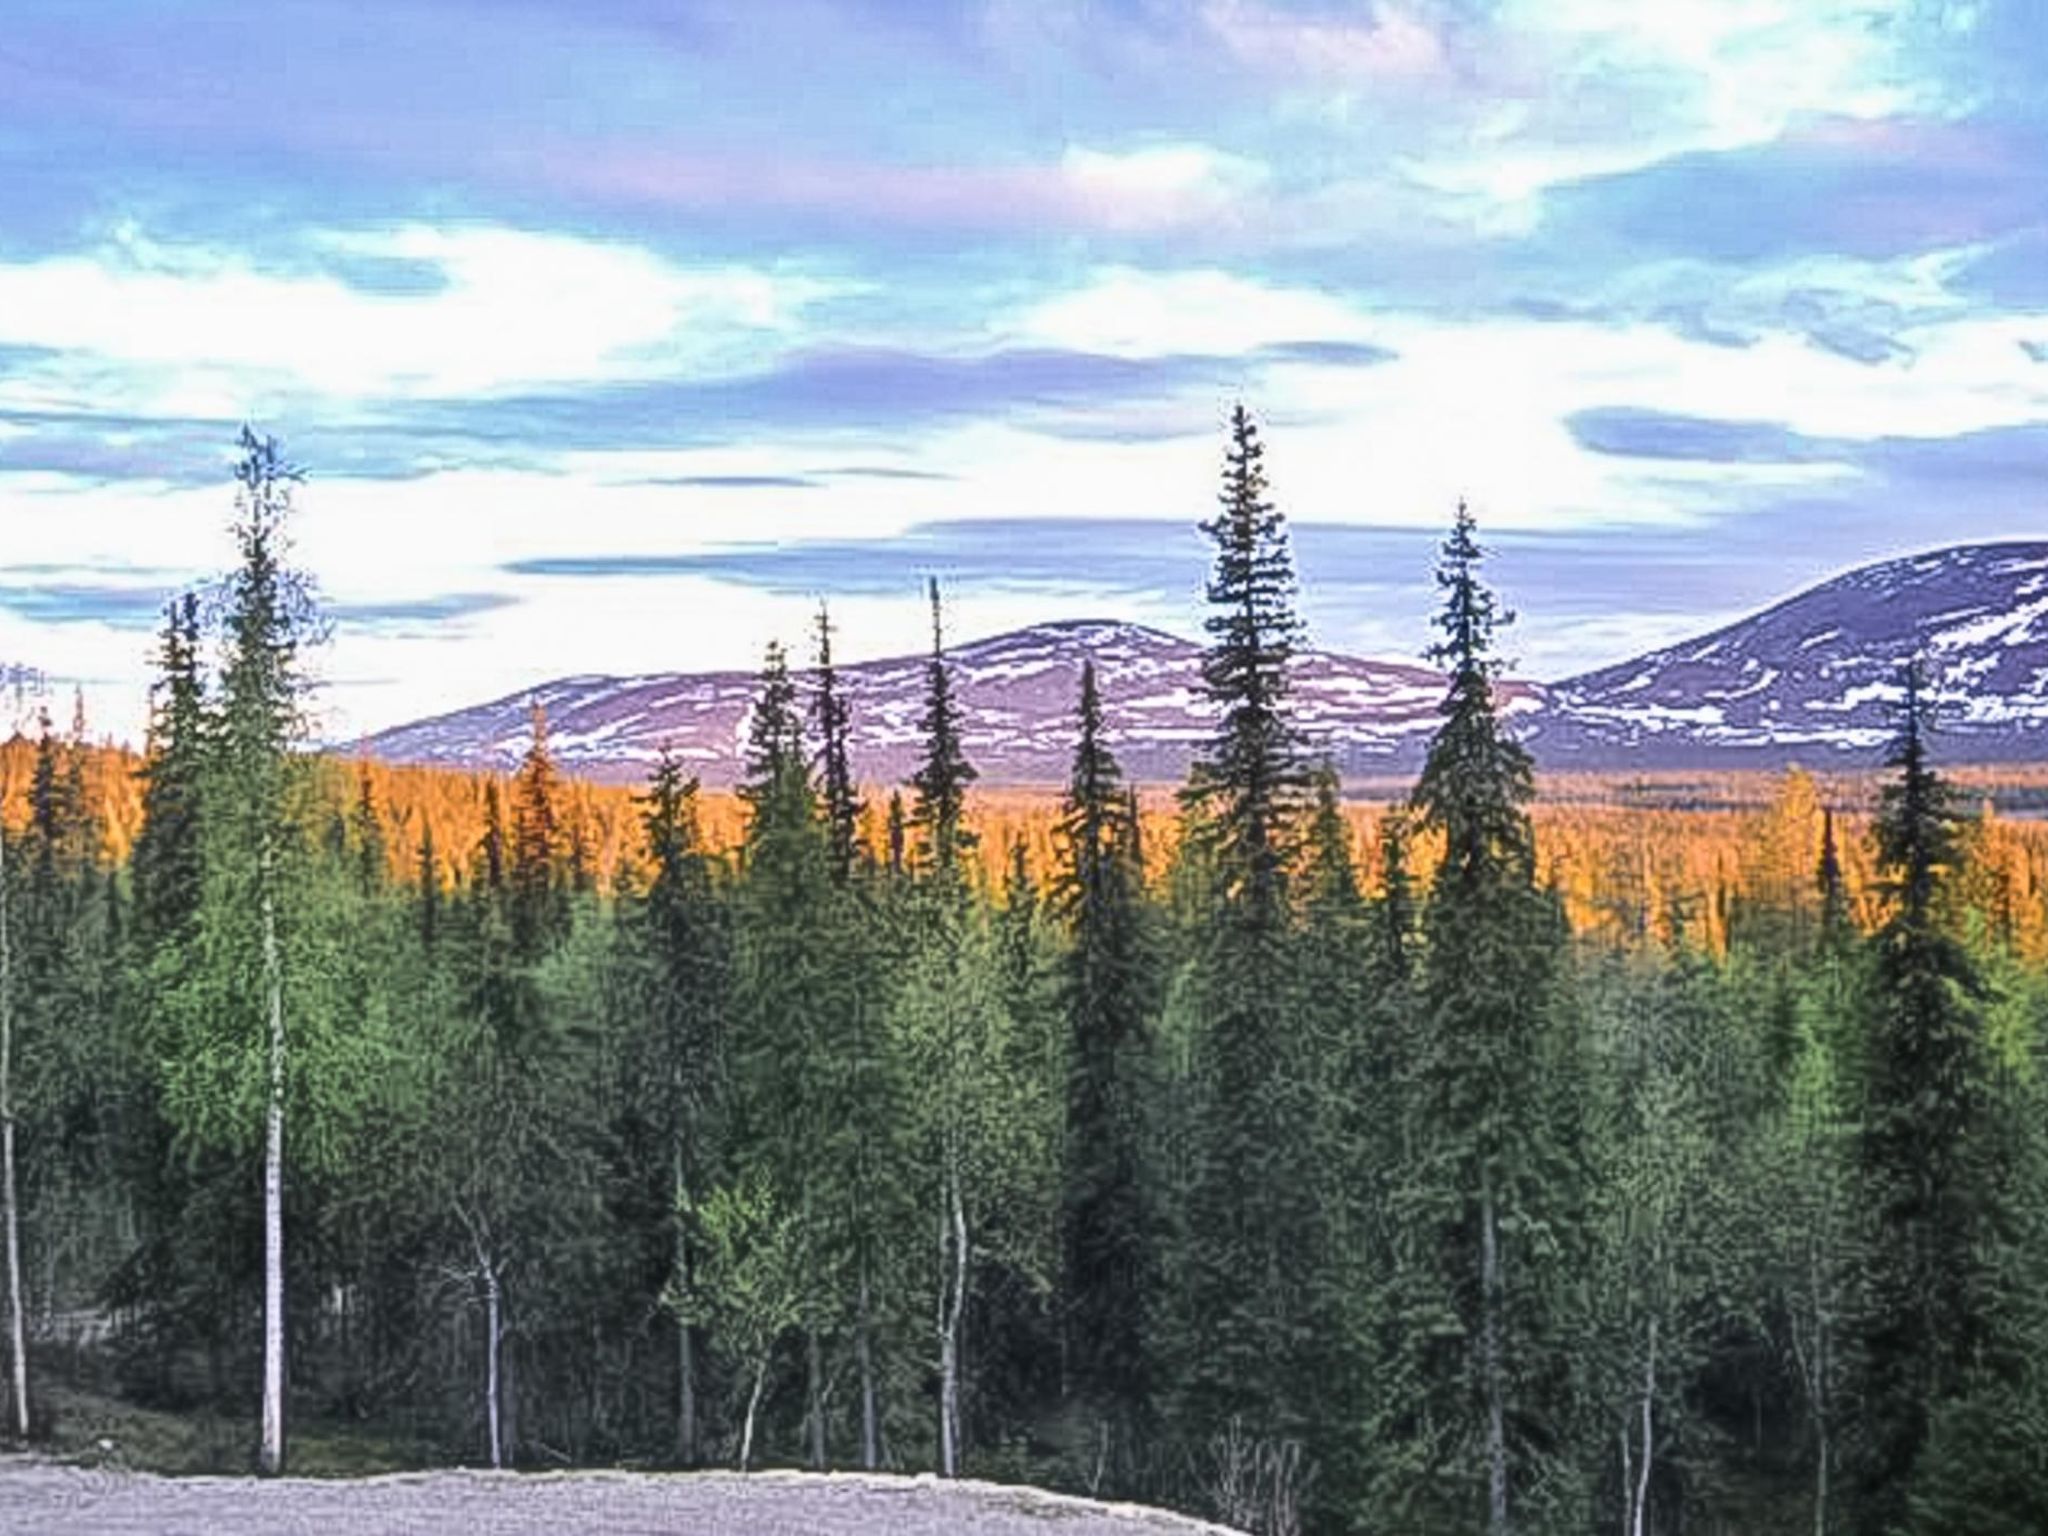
<point x="41" y="1499"/>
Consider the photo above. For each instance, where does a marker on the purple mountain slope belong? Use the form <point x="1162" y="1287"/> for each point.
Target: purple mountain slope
<point x="1809" y="679"/>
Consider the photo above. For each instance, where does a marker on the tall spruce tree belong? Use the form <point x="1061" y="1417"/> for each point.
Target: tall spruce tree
<point x="787" y="1024"/>
<point x="686" y="938"/>
<point x="1248" y="1325"/>
<point x="1488" y="1196"/>
<point x="254" y="839"/>
<point x="1923" y="1145"/>
<point x="1110" y="992"/>
<point x="833" y="720"/>
<point x="942" y="778"/>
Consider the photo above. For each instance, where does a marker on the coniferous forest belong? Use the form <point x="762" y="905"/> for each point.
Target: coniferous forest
<point x="1306" y="1186"/>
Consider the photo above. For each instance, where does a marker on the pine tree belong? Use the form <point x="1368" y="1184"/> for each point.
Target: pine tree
<point x="1109" y="1230"/>
<point x="833" y="720"/>
<point x="942" y="779"/>
<point x="1923" y="1151"/>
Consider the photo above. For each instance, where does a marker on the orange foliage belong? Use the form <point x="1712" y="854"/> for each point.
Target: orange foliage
<point x="1624" y="853"/>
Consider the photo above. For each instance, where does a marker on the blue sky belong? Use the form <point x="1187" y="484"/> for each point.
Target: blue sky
<point x="613" y="334"/>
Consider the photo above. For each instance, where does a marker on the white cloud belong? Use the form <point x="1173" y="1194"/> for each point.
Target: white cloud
<point x="1128" y="312"/>
<point x="517" y="309"/>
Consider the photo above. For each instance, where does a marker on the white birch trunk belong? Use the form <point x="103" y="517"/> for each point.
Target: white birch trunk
<point x="494" y="1336"/>
<point x="1490" y="1366"/>
<point x="952" y="1308"/>
<point x="1642" y="1489"/>
<point x="814" y="1367"/>
<point x="753" y="1408"/>
<point x="17" y="1321"/>
<point x="870" y="1417"/>
<point x="686" y="1346"/>
<point x="271" y="1457"/>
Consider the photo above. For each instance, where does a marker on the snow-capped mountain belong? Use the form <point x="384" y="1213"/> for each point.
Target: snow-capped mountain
<point x="1810" y="678"/>
<point x="1817" y="675"/>
<point x="1017" y="691"/>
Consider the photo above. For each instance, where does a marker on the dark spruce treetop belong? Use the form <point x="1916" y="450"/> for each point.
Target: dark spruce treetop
<point x="166" y="861"/>
<point x="1251" y="780"/>
<point x="1476" y="782"/>
<point x="539" y="909"/>
<point x="941" y="782"/>
<point x="268" y="614"/>
<point x="777" y="772"/>
<point x="833" y="720"/>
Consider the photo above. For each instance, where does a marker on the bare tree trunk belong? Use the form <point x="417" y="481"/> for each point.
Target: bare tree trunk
<point x="952" y="1308"/>
<point x="1491" y="1371"/>
<point x="814" y="1369"/>
<point x="271" y="1456"/>
<point x="17" y="1323"/>
<point x="494" y="1334"/>
<point x="1642" y="1493"/>
<point x="870" y="1417"/>
<point x="1628" y="1475"/>
<point x="753" y="1407"/>
<point x="686" y="1344"/>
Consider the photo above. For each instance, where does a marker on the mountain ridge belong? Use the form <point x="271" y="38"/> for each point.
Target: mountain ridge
<point x="1807" y="678"/>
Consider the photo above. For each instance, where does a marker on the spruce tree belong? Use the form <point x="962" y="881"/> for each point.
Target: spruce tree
<point x="165" y="864"/>
<point x="253" y="850"/>
<point x="1489" y="1199"/>
<point x="1109" y="1229"/>
<point x="1249" y="1315"/>
<point x="941" y="780"/>
<point x="836" y="789"/>
<point x="537" y="901"/>
<point x="687" y="942"/>
<point x="1923" y="1146"/>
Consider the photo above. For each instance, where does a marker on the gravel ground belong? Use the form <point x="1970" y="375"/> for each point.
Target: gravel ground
<point x="42" y="1499"/>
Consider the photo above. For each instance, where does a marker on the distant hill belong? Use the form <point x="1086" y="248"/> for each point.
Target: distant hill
<point x="1809" y="679"/>
<point x="1814" y="677"/>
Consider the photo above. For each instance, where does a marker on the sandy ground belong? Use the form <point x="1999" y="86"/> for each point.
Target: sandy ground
<point x="41" y="1499"/>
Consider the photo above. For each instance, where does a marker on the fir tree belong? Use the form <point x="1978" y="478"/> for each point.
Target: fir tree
<point x="942" y="779"/>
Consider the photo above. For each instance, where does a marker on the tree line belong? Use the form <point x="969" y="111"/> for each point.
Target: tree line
<point x="1301" y="1199"/>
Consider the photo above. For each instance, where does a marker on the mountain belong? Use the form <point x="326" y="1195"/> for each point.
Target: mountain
<point x="1810" y="678"/>
<point x="1816" y="675"/>
<point x="1017" y="690"/>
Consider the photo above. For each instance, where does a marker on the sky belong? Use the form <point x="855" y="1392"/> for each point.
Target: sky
<point x="614" y="335"/>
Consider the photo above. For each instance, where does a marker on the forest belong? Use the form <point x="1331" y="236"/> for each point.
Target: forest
<point x="1456" y="1163"/>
